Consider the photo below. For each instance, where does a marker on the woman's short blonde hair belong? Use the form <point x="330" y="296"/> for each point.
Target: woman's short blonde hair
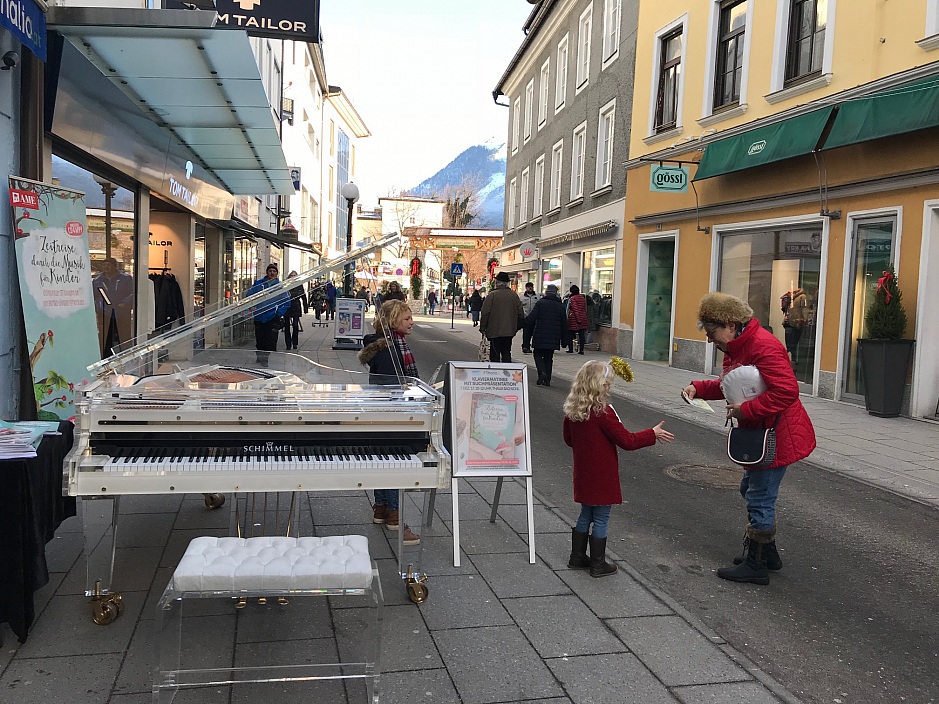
<point x="590" y="392"/>
<point x="390" y="314"/>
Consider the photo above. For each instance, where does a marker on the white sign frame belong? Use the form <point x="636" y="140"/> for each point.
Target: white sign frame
<point x="478" y="389"/>
<point x="350" y="318"/>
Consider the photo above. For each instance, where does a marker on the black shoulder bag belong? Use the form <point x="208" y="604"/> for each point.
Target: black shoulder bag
<point x="752" y="448"/>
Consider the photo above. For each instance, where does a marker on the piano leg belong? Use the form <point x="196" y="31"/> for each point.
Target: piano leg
<point x="99" y="521"/>
<point x="415" y="582"/>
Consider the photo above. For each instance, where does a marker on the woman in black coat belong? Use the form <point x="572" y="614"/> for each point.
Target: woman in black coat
<point x="549" y="320"/>
<point x="298" y="306"/>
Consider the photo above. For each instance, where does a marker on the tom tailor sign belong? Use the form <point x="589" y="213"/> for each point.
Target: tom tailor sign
<point x="278" y="19"/>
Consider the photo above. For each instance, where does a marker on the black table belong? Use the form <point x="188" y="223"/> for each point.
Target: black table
<point x="31" y="508"/>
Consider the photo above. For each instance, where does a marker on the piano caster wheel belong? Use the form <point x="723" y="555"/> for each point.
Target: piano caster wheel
<point x="213" y="501"/>
<point x="241" y="603"/>
<point x="105" y="609"/>
<point x="416" y="586"/>
<point x="283" y="601"/>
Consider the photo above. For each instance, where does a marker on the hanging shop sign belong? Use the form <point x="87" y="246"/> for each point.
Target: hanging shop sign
<point x="528" y="251"/>
<point x="668" y="179"/>
<point x="277" y="19"/>
<point x="59" y="308"/>
<point x="27" y="23"/>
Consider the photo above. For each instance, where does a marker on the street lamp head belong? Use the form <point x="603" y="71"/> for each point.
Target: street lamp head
<point x="350" y="192"/>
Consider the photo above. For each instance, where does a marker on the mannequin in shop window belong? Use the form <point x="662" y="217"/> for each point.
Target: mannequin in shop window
<point x="114" y="305"/>
<point x="793" y="305"/>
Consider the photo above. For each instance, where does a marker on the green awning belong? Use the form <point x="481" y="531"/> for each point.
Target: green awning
<point x="906" y="108"/>
<point x="783" y="140"/>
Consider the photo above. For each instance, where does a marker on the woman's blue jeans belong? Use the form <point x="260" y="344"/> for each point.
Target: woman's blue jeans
<point x="389" y="497"/>
<point x="759" y="488"/>
<point x="598" y="515"/>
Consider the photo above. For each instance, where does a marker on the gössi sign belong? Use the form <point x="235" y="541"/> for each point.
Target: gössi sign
<point x="668" y="179"/>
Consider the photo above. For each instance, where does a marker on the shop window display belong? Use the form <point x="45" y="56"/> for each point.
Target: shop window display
<point x="597" y="282"/>
<point x="777" y="273"/>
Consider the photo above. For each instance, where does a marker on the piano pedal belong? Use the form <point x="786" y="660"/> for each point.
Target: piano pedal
<point x="283" y="601"/>
<point x="241" y="602"/>
<point x="262" y="600"/>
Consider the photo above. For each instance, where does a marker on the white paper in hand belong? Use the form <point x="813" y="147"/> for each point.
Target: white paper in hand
<point x="742" y="383"/>
<point x="696" y="402"/>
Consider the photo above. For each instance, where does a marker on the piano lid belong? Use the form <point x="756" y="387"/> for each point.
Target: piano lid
<point x="213" y="335"/>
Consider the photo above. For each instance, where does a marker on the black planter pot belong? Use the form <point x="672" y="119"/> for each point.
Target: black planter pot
<point x="884" y="367"/>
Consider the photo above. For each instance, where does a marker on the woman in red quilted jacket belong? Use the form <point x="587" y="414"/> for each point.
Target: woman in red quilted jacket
<point x="730" y="325"/>
<point x="577" y="319"/>
<point x="594" y="431"/>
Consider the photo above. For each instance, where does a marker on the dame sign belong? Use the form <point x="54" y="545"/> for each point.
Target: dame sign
<point x="277" y="19"/>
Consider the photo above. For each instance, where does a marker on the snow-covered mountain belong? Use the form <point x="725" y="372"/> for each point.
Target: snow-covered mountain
<point x="485" y="165"/>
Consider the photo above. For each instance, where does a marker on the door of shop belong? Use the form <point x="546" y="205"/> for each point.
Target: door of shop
<point x="873" y="245"/>
<point x="659" y="284"/>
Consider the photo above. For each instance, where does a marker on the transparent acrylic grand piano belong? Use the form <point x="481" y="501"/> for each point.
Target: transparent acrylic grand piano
<point x="186" y="412"/>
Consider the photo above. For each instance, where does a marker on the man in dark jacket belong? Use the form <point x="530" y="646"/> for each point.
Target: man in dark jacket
<point x="548" y="322"/>
<point x="499" y="322"/>
<point x="268" y="316"/>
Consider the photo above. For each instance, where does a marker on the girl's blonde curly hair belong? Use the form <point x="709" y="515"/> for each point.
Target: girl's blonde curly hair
<point x="590" y="392"/>
<point x="389" y="315"/>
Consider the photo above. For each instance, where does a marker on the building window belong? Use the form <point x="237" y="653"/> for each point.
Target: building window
<point x="510" y="215"/>
<point x="529" y="107"/>
<point x="578" y="148"/>
<point x="730" y="43"/>
<point x="560" y="85"/>
<point x="523" y="198"/>
<point x="543" y="93"/>
<point x="611" y="18"/>
<point x="583" y="47"/>
<point x="516" y="119"/>
<point x="557" y="155"/>
<point x="332" y="138"/>
<point x="538" y="200"/>
<point x="805" y="46"/>
<point x="605" y="144"/>
<point x="666" y="106"/>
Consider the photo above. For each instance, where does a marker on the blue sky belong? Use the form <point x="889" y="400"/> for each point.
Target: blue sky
<point x="421" y="75"/>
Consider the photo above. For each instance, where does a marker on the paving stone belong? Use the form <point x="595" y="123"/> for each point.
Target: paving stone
<point x="513" y="492"/>
<point x="438" y="557"/>
<point x="341" y="510"/>
<point x="136" y="673"/>
<point x="462" y="601"/>
<point x="677" y="653"/>
<point x="546" y="521"/>
<point x="84" y="679"/>
<point x="609" y="679"/>
<point x="144" y="530"/>
<point x="63" y="551"/>
<point x="425" y="686"/>
<point x="406" y="642"/>
<point x="289" y="653"/>
<point x="571" y="629"/>
<point x="511" y="575"/>
<point x="732" y="693"/>
<point x="153" y="503"/>
<point x="304" y="617"/>
<point x="554" y="549"/>
<point x="485" y="538"/>
<point x="65" y="628"/>
<point x="616" y="596"/>
<point x="494" y="665"/>
<point x="473" y="507"/>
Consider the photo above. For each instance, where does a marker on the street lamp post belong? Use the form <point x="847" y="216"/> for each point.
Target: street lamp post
<point x="350" y="192"/>
<point x="108" y="189"/>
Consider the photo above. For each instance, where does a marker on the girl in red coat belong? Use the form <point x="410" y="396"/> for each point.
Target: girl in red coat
<point x="594" y="431"/>
<point x="577" y="320"/>
<point x="728" y="322"/>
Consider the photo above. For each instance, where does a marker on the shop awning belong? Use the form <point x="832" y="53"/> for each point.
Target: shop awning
<point x="782" y="140"/>
<point x="906" y="108"/>
<point x="256" y="232"/>
<point x="199" y="83"/>
<point x="591" y="231"/>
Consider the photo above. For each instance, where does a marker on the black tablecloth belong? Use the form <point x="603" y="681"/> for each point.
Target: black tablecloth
<point x="31" y="508"/>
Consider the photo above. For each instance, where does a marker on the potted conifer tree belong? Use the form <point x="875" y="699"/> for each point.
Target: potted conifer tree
<point x="885" y="356"/>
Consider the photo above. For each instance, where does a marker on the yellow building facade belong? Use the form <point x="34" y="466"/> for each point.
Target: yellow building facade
<point x="798" y="142"/>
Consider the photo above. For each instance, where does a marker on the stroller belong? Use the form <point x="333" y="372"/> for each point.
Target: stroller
<point x="317" y="304"/>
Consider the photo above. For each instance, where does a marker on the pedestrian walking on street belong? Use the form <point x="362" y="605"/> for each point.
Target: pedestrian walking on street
<point x="548" y="324"/>
<point x="474" y="306"/>
<point x="432" y="301"/>
<point x="298" y="306"/>
<point x="269" y="316"/>
<point x="728" y="322"/>
<point x="577" y="320"/>
<point x="387" y="354"/>
<point x="331" y="293"/>
<point x="529" y="298"/>
<point x="394" y="292"/>
<point x="593" y="430"/>
<point x="501" y="318"/>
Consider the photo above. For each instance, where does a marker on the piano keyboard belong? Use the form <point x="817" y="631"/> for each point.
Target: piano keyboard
<point x="308" y="459"/>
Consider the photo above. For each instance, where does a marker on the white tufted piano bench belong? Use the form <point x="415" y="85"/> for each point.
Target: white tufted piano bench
<point x="267" y="567"/>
